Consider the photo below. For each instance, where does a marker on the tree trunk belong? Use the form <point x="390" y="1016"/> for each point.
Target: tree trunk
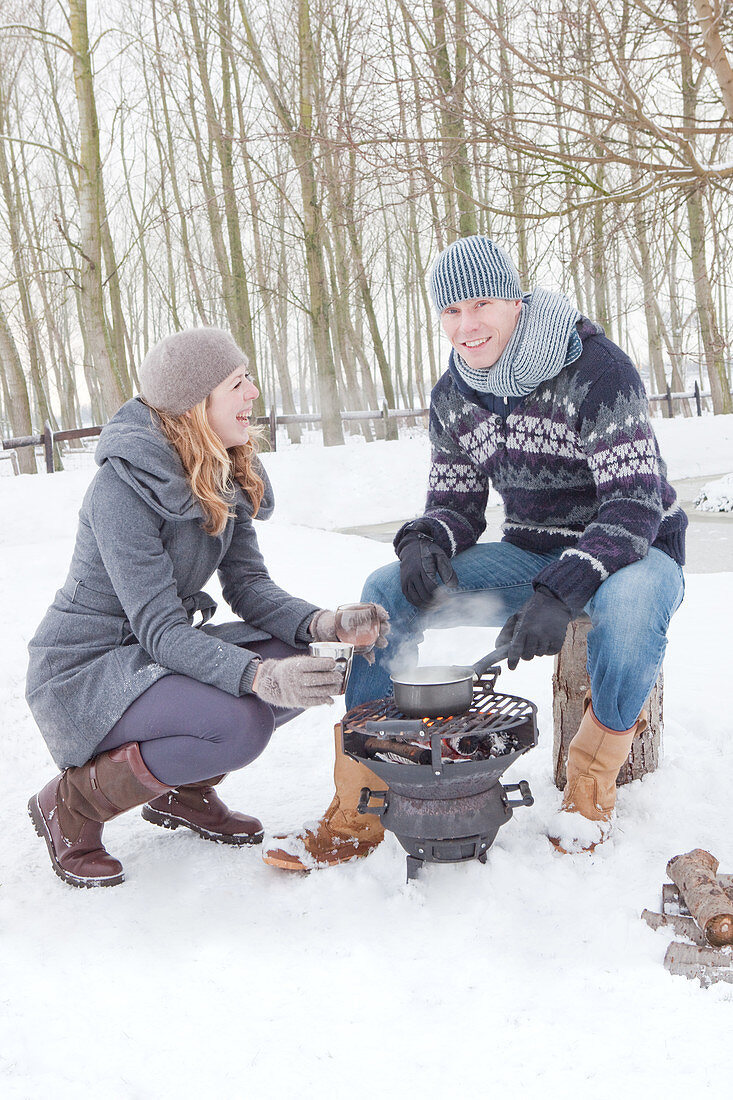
<point x="220" y="126"/>
<point x="112" y="381"/>
<point x="169" y="160"/>
<point x="570" y="683"/>
<point x="9" y="185"/>
<point x="645" y="271"/>
<point x="517" y="173"/>
<point x="709" y="332"/>
<point x="300" y="139"/>
<point x="712" y="339"/>
<point x="451" y="90"/>
<point x="709" y="17"/>
<point x="19" y="408"/>
<point x="276" y="340"/>
<point x="421" y="151"/>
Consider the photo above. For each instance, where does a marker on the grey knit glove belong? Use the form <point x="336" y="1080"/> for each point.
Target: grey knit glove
<point x="322" y="627"/>
<point x="298" y="681"/>
<point x="353" y="624"/>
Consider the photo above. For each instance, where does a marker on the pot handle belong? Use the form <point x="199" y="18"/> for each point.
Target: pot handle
<point x="490" y="659"/>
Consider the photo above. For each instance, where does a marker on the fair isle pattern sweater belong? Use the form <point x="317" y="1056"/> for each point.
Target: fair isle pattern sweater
<point x="577" y="466"/>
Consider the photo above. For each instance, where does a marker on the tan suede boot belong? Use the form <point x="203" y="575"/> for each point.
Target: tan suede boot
<point x="342" y="833"/>
<point x="595" y="757"/>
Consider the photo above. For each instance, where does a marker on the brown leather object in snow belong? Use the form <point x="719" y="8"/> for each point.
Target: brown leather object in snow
<point x="694" y="873"/>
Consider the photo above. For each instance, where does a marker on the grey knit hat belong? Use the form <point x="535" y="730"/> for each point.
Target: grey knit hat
<point x="184" y="368"/>
<point x="472" y="267"/>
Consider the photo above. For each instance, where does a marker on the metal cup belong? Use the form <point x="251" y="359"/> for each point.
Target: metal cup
<point x="341" y="652"/>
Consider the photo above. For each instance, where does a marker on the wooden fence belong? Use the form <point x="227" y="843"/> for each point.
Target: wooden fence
<point x="47" y="438"/>
<point x="697" y="395"/>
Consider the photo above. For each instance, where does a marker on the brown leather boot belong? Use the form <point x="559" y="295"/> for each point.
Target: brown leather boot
<point x="197" y="806"/>
<point x="342" y="833"/>
<point x="595" y="757"/>
<point x="70" y="810"/>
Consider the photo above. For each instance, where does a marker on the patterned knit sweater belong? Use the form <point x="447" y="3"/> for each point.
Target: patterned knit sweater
<point x="576" y="463"/>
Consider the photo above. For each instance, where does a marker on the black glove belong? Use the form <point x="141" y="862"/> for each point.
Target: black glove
<point x="422" y="566"/>
<point x="537" y="629"/>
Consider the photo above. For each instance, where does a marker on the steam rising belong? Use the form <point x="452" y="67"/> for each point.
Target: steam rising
<point x="444" y="645"/>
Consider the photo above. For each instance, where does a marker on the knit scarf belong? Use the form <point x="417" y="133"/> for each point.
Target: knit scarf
<point x="544" y="341"/>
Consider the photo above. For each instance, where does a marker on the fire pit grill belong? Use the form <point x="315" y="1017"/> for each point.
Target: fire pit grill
<point x="445" y="802"/>
<point x="489" y="713"/>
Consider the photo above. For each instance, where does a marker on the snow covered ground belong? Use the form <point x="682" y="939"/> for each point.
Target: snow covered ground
<point x="208" y="972"/>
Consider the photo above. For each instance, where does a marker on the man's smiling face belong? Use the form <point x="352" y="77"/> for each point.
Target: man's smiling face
<point x="480" y="328"/>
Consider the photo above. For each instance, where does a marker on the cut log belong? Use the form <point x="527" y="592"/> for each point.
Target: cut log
<point x="706" y="965"/>
<point x="695" y="875"/>
<point x="683" y="926"/>
<point x="570" y="682"/>
<point x="673" y="902"/>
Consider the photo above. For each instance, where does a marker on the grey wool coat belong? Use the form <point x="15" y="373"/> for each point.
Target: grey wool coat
<point x="125" y="615"/>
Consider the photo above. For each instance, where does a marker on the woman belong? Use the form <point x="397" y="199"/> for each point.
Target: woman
<point x="136" y="704"/>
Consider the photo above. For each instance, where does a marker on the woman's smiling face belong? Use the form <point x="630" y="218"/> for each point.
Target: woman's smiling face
<point x="230" y="405"/>
<point x="480" y="328"/>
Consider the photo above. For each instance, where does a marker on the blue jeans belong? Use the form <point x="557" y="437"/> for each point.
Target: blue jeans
<point x="630" y="614"/>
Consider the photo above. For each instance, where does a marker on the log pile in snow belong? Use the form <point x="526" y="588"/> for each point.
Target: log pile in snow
<point x="694" y="874"/>
<point x="698" y="906"/>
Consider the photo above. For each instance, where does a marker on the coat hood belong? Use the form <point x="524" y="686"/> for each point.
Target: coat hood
<point x="141" y="455"/>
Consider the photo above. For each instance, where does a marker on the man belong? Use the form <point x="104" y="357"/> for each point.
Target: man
<point x="537" y="401"/>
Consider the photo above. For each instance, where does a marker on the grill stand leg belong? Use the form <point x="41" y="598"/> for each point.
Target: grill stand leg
<point x="414" y="866"/>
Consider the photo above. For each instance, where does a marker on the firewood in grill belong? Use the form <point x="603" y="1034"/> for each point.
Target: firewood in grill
<point x="470" y="746"/>
<point x="381" y="746"/>
<point x="695" y="875"/>
<point x="473" y="747"/>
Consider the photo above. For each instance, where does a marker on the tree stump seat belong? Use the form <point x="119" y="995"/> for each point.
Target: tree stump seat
<point x="570" y="682"/>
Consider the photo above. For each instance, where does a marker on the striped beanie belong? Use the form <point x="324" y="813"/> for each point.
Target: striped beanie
<point x="473" y="267"/>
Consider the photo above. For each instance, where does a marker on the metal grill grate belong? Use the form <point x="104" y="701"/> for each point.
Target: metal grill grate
<point x="490" y="712"/>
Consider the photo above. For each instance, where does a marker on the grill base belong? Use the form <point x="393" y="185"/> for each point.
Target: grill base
<point x="433" y="830"/>
<point x="443" y="830"/>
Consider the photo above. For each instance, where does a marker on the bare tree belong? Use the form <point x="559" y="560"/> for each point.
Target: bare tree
<point x="300" y="139"/>
<point x="105" y="351"/>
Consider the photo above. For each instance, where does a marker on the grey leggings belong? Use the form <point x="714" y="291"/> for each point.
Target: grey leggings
<point x="189" y="731"/>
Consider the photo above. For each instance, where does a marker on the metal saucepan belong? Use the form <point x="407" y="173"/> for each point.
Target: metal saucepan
<point x="435" y="691"/>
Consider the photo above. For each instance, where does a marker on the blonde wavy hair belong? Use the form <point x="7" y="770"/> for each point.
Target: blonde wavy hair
<point x="211" y="469"/>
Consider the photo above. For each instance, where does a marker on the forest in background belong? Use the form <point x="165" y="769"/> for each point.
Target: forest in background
<point x="288" y="169"/>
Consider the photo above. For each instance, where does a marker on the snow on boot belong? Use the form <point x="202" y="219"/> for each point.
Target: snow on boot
<point x="595" y="757"/>
<point x="70" y="810"/>
<point x="197" y="806"/>
<point x="342" y="833"/>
